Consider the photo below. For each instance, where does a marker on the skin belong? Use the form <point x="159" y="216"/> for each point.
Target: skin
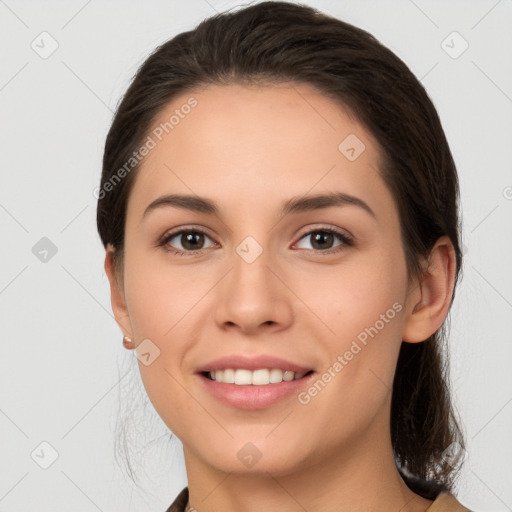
<point x="250" y="148"/>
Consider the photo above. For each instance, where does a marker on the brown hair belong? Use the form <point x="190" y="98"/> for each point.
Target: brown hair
<point x="274" y="42"/>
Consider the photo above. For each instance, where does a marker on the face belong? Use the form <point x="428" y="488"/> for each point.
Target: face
<point x="320" y="284"/>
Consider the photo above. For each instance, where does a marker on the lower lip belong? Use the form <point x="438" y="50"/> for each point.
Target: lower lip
<point x="251" y="396"/>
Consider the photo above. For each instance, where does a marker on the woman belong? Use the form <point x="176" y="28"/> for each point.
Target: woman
<point x="279" y="208"/>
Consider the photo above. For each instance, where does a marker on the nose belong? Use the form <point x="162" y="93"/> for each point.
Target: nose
<point x="254" y="297"/>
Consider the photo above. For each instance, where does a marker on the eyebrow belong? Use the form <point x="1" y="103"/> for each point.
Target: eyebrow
<point x="293" y="205"/>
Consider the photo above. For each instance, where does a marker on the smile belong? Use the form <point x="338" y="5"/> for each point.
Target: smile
<point x="243" y="393"/>
<point x="260" y="377"/>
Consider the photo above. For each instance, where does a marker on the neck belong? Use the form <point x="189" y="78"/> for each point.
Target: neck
<point x="360" y="476"/>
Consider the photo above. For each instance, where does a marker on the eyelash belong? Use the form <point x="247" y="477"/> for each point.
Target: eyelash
<point x="347" y="241"/>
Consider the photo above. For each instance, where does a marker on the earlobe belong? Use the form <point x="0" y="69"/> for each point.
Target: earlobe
<point x="117" y="295"/>
<point x="429" y="302"/>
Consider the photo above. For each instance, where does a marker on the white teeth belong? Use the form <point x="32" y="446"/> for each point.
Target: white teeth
<point x="288" y="375"/>
<point x="242" y="377"/>
<point x="276" y="376"/>
<point x="261" y="377"/>
<point x="228" y="376"/>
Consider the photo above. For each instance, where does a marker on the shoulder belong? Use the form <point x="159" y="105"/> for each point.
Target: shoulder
<point x="179" y="504"/>
<point x="446" y="502"/>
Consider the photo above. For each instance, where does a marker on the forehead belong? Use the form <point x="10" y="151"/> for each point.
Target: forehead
<point x="246" y="144"/>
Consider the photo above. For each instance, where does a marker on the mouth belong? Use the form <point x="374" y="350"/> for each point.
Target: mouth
<point x="253" y="381"/>
<point x="259" y="377"/>
<point x="254" y="390"/>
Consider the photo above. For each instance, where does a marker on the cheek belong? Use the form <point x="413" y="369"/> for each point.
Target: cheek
<point x="157" y="314"/>
<point x="360" y="306"/>
<point x="164" y="304"/>
<point x="160" y="296"/>
<point x="355" y="294"/>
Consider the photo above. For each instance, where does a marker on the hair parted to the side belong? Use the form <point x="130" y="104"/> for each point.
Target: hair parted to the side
<point x="278" y="42"/>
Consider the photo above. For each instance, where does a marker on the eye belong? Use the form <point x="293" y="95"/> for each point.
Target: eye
<point x="324" y="240"/>
<point x="188" y="241"/>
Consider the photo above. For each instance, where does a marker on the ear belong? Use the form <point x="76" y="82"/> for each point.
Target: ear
<point x="430" y="297"/>
<point x="117" y="294"/>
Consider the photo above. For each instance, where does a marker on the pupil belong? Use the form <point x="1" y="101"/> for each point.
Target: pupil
<point x="322" y="236"/>
<point x="191" y="238"/>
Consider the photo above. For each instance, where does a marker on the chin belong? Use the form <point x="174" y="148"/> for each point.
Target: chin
<point x="255" y="459"/>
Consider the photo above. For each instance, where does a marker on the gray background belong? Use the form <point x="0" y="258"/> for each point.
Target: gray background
<point x="64" y="374"/>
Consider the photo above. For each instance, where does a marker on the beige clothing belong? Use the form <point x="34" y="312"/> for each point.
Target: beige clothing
<point x="445" y="502"/>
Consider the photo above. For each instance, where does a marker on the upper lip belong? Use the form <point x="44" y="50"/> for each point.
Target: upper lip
<point x="240" y="361"/>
